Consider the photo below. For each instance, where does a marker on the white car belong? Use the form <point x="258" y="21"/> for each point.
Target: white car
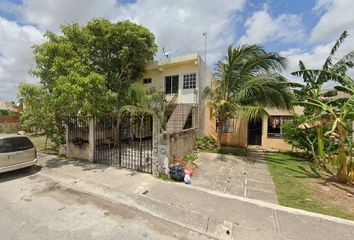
<point x="16" y="151"/>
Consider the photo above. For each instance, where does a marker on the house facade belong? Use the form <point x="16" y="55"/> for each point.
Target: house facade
<point x="183" y="80"/>
<point x="266" y="131"/>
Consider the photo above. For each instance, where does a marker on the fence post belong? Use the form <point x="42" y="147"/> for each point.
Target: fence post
<point x="68" y="152"/>
<point x="160" y="152"/>
<point x="92" y="138"/>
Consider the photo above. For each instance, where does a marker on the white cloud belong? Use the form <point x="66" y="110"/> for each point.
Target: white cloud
<point x="315" y="57"/>
<point x="335" y="17"/>
<point x="338" y="16"/>
<point x="262" y="28"/>
<point x="16" y="56"/>
<point x="50" y="14"/>
<point x="177" y="25"/>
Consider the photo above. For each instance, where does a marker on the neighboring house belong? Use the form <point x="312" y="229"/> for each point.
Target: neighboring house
<point x="6" y="105"/>
<point x="183" y="80"/>
<point x="265" y="132"/>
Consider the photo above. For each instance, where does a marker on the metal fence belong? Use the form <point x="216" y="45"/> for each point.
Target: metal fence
<point x="78" y="129"/>
<point x="126" y="143"/>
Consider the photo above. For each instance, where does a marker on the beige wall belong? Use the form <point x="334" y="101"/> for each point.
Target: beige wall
<point x="272" y="142"/>
<point x="158" y="74"/>
<point x="236" y="139"/>
<point x="239" y="137"/>
<point x="79" y="152"/>
<point x="180" y="143"/>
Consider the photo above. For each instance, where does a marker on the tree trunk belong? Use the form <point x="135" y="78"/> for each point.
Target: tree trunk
<point x="46" y="141"/>
<point x="342" y="156"/>
<point x="219" y="131"/>
<point x="320" y="145"/>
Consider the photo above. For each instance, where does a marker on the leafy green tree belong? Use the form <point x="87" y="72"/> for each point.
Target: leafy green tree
<point x="86" y="70"/>
<point x="314" y="80"/>
<point x="4" y="112"/>
<point x="300" y="138"/>
<point x="37" y="114"/>
<point x="112" y="52"/>
<point x="249" y="82"/>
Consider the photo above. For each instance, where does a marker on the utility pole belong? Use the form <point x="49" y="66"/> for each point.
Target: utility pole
<point x="205" y="34"/>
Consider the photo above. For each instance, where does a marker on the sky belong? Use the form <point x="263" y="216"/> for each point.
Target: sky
<point x="297" y="29"/>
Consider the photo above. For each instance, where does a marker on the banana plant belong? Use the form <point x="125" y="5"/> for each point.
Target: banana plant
<point x="314" y="80"/>
<point x="340" y="112"/>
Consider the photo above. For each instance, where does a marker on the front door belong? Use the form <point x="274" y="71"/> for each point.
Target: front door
<point x="255" y="132"/>
<point x="189" y="92"/>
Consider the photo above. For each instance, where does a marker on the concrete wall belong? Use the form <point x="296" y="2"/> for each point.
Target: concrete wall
<point x="79" y="152"/>
<point x="9" y="124"/>
<point x="84" y="151"/>
<point x="238" y="138"/>
<point x="157" y="75"/>
<point x="180" y="143"/>
<point x="276" y="143"/>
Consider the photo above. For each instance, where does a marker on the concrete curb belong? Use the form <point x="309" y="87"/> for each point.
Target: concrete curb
<point x="274" y="206"/>
<point x="126" y="202"/>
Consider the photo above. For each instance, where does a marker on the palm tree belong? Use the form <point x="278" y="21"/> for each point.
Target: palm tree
<point x="248" y="83"/>
<point x="142" y="104"/>
<point x="341" y="113"/>
<point x="314" y="80"/>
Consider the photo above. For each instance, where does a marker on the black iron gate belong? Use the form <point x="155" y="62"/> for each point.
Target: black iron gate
<point x="126" y="143"/>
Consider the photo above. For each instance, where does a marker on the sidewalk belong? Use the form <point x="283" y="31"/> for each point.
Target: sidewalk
<point x="210" y="213"/>
<point x="242" y="176"/>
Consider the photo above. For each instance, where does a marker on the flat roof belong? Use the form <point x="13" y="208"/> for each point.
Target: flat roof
<point x="173" y="61"/>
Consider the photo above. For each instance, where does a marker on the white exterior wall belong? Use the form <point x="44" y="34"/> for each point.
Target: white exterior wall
<point x="181" y="66"/>
<point x="158" y="76"/>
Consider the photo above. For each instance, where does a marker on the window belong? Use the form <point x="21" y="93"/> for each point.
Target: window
<point x="274" y="126"/>
<point x="146" y="80"/>
<point x="189" y="81"/>
<point x="228" y="126"/>
<point x="14" y="144"/>
<point x="171" y="84"/>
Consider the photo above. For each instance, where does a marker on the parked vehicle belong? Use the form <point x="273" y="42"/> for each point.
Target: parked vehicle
<point x="16" y="152"/>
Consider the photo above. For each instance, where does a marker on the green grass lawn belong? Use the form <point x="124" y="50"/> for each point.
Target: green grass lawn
<point x="238" y="152"/>
<point x="292" y="177"/>
<point x="39" y="142"/>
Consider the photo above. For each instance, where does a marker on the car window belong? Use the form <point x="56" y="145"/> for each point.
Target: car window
<point x="13" y="144"/>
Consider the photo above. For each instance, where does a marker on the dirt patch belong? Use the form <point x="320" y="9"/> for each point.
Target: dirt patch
<point x="334" y="193"/>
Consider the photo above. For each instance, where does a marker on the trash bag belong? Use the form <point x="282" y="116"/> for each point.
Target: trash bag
<point x="188" y="171"/>
<point x="177" y="173"/>
<point x="187" y="179"/>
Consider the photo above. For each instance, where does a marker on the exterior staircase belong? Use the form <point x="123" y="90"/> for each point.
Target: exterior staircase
<point x="179" y="117"/>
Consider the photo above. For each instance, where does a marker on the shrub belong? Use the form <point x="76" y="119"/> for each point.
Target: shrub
<point x="301" y="138"/>
<point x="205" y="143"/>
<point x="189" y="157"/>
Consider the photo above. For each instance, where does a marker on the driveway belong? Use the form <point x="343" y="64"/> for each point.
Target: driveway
<point x="242" y="176"/>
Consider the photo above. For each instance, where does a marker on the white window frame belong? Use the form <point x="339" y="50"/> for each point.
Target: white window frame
<point x="190" y="84"/>
<point x="164" y="82"/>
